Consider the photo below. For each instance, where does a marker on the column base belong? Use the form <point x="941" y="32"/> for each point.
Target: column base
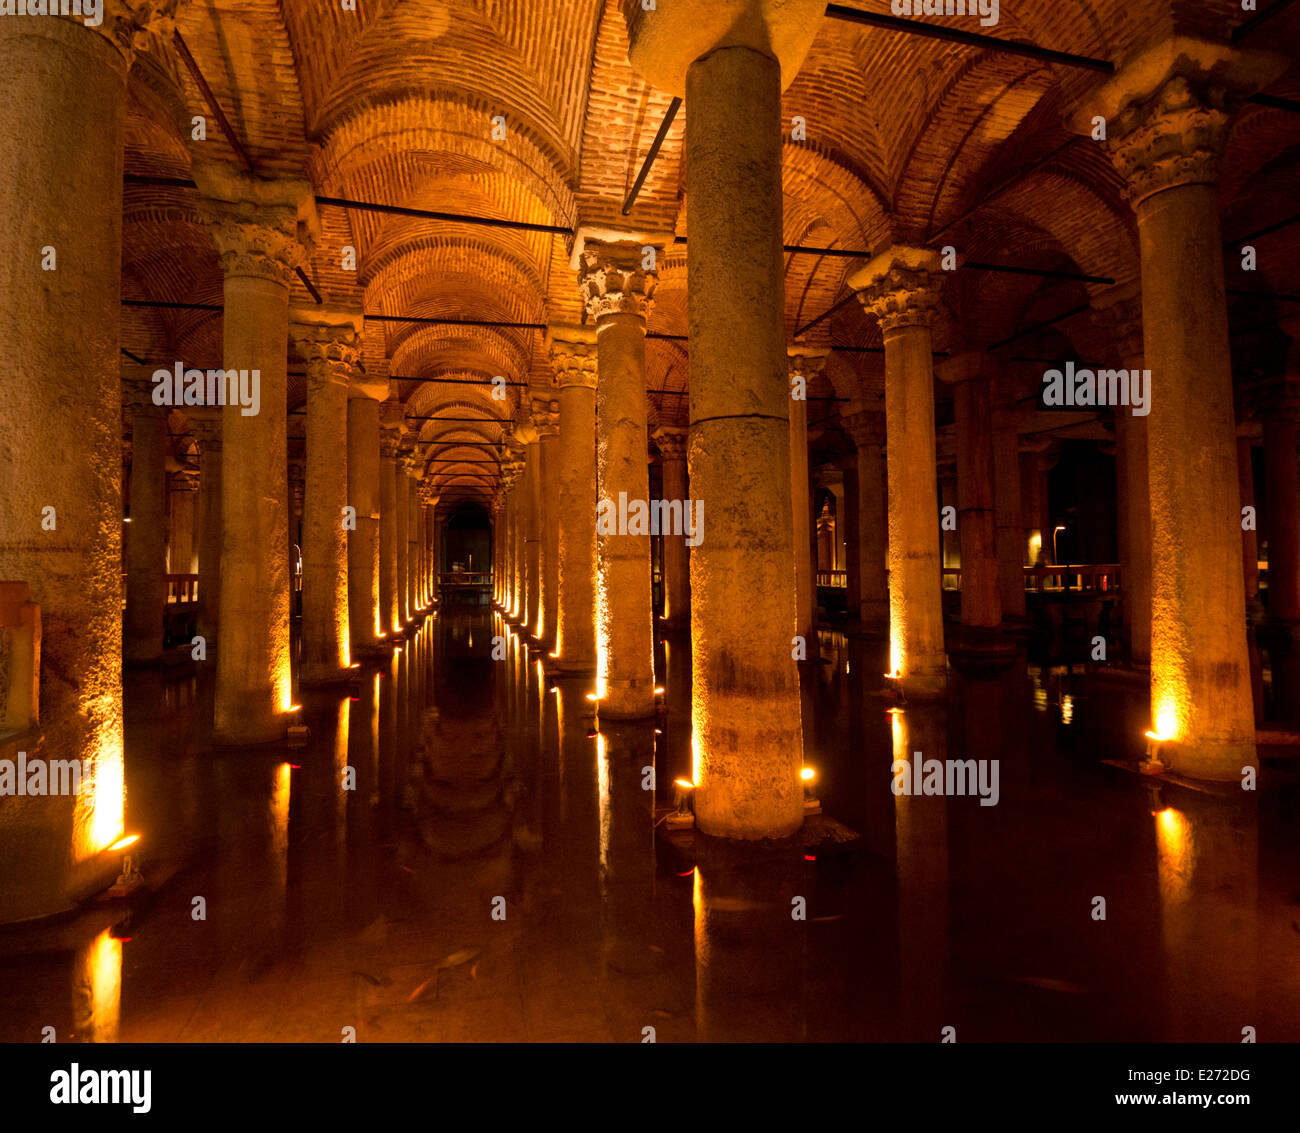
<point x="276" y="732"/>
<point x="627" y="700"/>
<point x="1209" y="761"/>
<point x="325" y="675"/>
<point x="925" y="685"/>
<point x="981" y="652"/>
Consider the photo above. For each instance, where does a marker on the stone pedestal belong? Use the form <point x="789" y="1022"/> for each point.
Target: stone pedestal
<point x="146" y="534"/>
<point x="1168" y="113"/>
<point x="330" y="342"/>
<point x="901" y="288"/>
<point x="260" y="228"/>
<point x="618" y="295"/>
<point x="573" y="357"/>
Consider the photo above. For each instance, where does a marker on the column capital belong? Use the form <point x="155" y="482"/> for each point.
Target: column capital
<point x="671" y="440"/>
<point x="865" y="429"/>
<point x="265" y="229"/>
<point x="573" y="353"/>
<point x="900" y="287"/>
<point x="1117" y="313"/>
<point x="425" y="490"/>
<point x="546" y="417"/>
<point x="1167" y="111"/>
<point x="330" y="342"/>
<point x="205" y="426"/>
<point x="511" y="469"/>
<point x="137" y="392"/>
<point x="613" y="282"/>
<point x="392" y="417"/>
<point x="967" y="366"/>
<point x="806" y="361"/>
<point x="130" y="24"/>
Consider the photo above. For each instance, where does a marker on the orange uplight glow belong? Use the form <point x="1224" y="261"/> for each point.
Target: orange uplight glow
<point x="807" y="774"/>
<point x="659" y="691"/>
<point x="122" y="843"/>
<point x="685" y="784"/>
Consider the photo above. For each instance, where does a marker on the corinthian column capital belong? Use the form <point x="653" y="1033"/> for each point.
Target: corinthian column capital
<point x="330" y="342"/>
<point x="546" y="417"/>
<point x="901" y="287"/>
<point x="671" y="440"/>
<point x="573" y="353"/>
<point x="613" y="281"/>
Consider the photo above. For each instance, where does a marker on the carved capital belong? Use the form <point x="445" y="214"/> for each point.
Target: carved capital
<point x="205" y="426"/>
<point x="546" y="417"/>
<point x="332" y="353"/>
<point x="613" y="282"/>
<point x="672" y="440"/>
<point x="130" y="24"/>
<point x="806" y="361"/>
<point x="900" y="287"/>
<point x="574" y="361"/>
<point x="264" y="245"/>
<point x="865" y="429"/>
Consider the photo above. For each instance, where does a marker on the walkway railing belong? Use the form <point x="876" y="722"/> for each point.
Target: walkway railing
<point x="1087" y="577"/>
<point x="182" y="589"/>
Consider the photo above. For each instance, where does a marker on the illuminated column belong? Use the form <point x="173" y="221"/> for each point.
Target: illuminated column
<point x="1119" y="314"/>
<point x="805" y="364"/>
<point x="1280" y="476"/>
<point x="182" y="495"/>
<point x="531" y="503"/>
<point x="364" y="610"/>
<point x="732" y="60"/>
<point x="868" y="523"/>
<point x="573" y="358"/>
<point x="206" y="426"/>
<point x="619" y="295"/>
<point x="901" y="288"/>
<point x="512" y="474"/>
<point x="1167" y="128"/>
<point x="330" y="342"/>
<point x="390" y="444"/>
<point x="546" y="417"/>
<point x="146" y="538"/>
<point x="401" y="525"/>
<point x="259" y="228"/>
<point x="297" y="476"/>
<point x="981" y="600"/>
<point x="677" y="556"/>
<point x="1006" y="507"/>
<point x="413" y="467"/>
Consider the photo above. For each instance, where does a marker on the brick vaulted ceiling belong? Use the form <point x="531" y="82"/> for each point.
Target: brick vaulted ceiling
<point x="908" y="138"/>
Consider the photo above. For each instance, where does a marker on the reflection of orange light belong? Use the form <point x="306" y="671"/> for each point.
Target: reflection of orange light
<point x="659" y="691"/>
<point x="685" y="784"/>
<point x="122" y="843"/>
<point x="807" y="774"/>
<point x="592" y="697"/>
<point x="295" y="708"/>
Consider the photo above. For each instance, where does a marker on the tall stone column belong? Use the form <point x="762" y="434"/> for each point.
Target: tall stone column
<point x="206" y="427"/>
<point x="365" y="622"/>
<point x="546" y="417"/>
<point x="531" y="503"/>
<point x="870" y="528"/>
<point x="1006" y="506"/>
<point x="413" y="468"/>
<point x="847" y="507"/>
<point x="981" y="599"/>
<point x="573" y="358"/>
<point x="146" y="540"/>
<point x="619" y="296"/>
<point x="391" y="414"/>
<point x="401" y="527"/>
<point x="182" y="496"/>
<point x="1246" y="433"/>
<point x="512" y="471"/>
<point x="732" y="60"/>
<point x="296" y="471"/>
<point x="1168" y="120"/>
<point x="1280" y="518"/>
<point x="330" y="341"/>
<point x="1119" y="313"/>
<point x="672" y="442"/>
<point x="259" y="228"/>
<point x="901" y="288"/>
<point x="805" y="363"/>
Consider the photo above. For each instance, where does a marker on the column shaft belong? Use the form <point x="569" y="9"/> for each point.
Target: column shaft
<point x="146" y="539"/>
<point x="363" y="543"/>
<point x="1280" y="476"/>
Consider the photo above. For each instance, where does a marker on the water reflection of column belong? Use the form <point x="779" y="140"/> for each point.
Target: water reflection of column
<point x="921" y="839"/>
<point x="1207" y="855"/>
<point x="749" y="951"/>
<point x="388" y="783"/>
<point x="97" y="990"/>
<point x="626" y="856"/>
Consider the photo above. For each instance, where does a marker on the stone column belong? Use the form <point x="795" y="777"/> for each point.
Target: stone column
<point x="401" y="526"/>
<point x="981" y="599"/>
<point x="260" y="228"/>
<point x="182" y="497"/>
<point x="330" y="342"/>
<point x="391" y="414"/>
<point x="206" y="426"/>
<point x="146" y="539"/>
<point x="847" y="504"/>
<point x="413" y="467"/>
<point x="546" y="417"/>
<point x="531" y="504"/>
<point x="1006" y="505"/>
<point x="619" y="295"/>
<point x="512" y="470"/>
<point x="869" y="523"/>
<point x="364" y="610"/>
<point x="672" y="440"/>
<point x="901" y="288"/>
<point x="1282" y="501"/>
<point x="1246" y="432"/>
<point x="1119" y="313"/>
<point x="732" y="61"/>
<point x="573" y="358"/>
<point x="1168" y="121"/>
<point x="805" y="364"/>
<point x="297" y="477"/>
